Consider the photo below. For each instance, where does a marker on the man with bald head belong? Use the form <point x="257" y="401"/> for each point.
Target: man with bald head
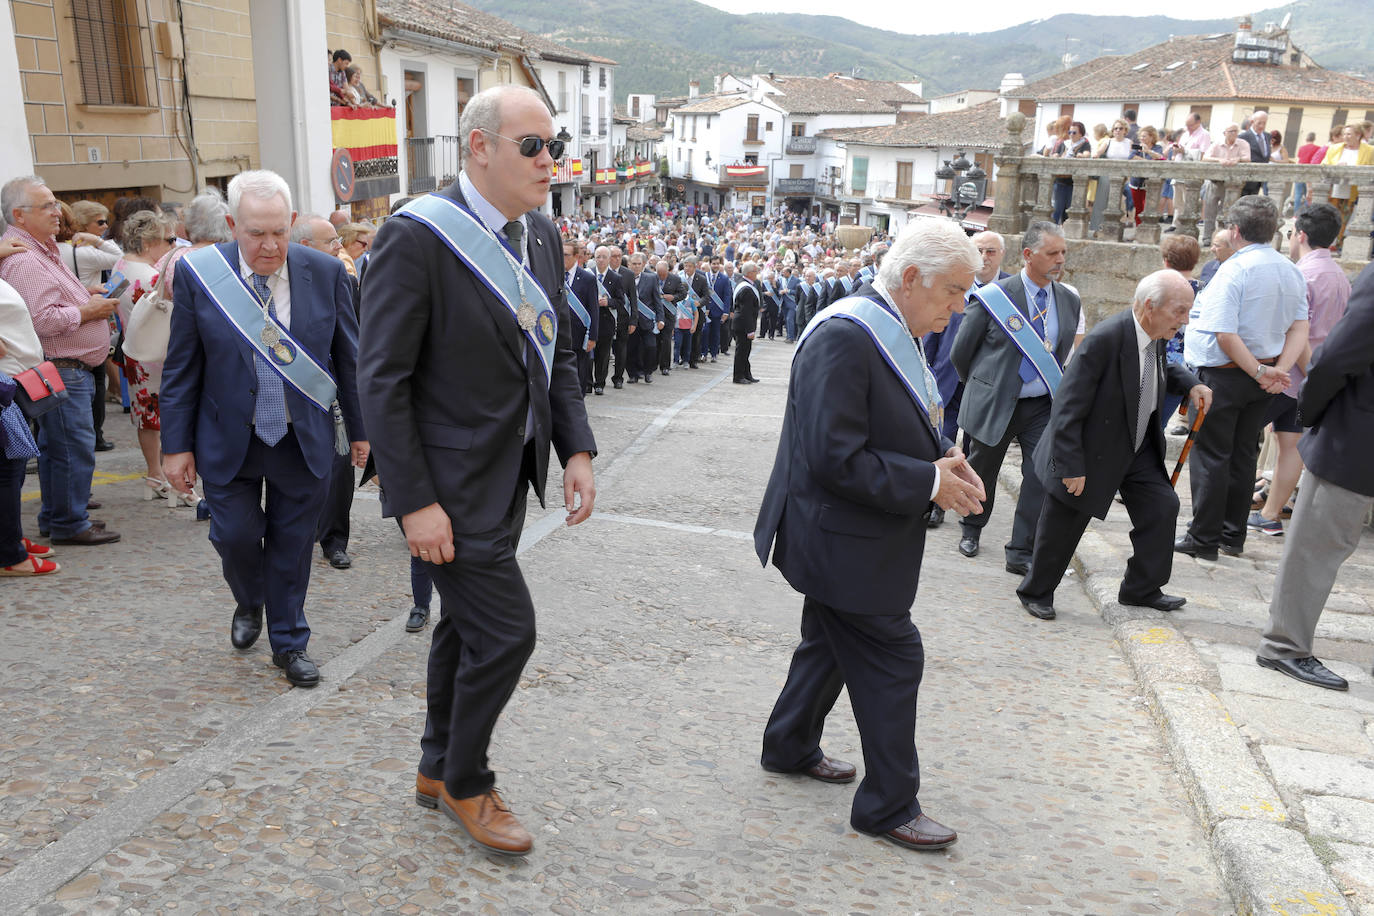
<point x="469" y="372"/>
<point x="1088" y="454"/>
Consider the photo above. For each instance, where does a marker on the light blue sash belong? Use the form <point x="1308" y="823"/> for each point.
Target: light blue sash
<point x="580" y="310"/>
<point x="816" y="288"/>
<point x="715" y="297"/>
<point x="478" y="247"/>
<point x="602" y="291"/>
<point x="231" y="296"/>
<point x="895" y="346"/>
<point x="1021" y="332"/>
<point x="687" y="307"/>
<point x="646" y="313"/>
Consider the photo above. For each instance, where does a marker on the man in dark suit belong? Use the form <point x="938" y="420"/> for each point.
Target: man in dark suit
<point x="650" y="321"/>
<point x="468" y="389"/>
<point x="611" y="317"/>
<point x="695" y="280"/>
<point x="724" y="286"/>
<point x="626" y="318"/>
<point x="1104" y="437"/>
<point x="745" y="320"/>
<point x="858" y="466"/>
<point x="1005" y="399"/>
<point x="1337" y="402"/>
<point x="836" y="290"/>
<point x="716" y="311"/>
<point x="584" y="336"/>
<point x="1257" y="136"/>
<point x="233" y="418"/>
<point x="791" y="284"/>
<point x="671" y="291"/>
<point x="937" y="344"/>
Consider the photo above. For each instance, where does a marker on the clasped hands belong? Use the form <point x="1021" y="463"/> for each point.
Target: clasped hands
<point x="960" y="489"/>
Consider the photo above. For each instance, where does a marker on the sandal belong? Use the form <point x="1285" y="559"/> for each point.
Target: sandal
<point x="155" y="488"/>
<point x="42" y="551"/>
<point x="33" y="566"/>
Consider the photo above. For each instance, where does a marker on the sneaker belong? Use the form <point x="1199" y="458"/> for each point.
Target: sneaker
<point x="1264" y="526"/>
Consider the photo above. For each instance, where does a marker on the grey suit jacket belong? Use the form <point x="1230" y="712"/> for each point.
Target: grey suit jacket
<point x="989" y="362"/>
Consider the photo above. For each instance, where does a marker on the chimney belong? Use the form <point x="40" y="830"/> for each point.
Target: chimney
<point x="693" y="89"/>
<point x="1011" y="81"/>
<point x="771" y="77"/>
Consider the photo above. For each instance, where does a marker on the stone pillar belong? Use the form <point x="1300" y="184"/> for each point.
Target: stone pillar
<point x="1188" y="206"/>
<point x="1147" y="233"/>
<point x="1076" y="219"/>
<point x="1006" y="210"/>
<point x="16" y="155"/>
<point x="1111" y="217"/>
<point x="1278" y="193"/>
<point x="290" y="61"/>
<point x="1357" y="245"/>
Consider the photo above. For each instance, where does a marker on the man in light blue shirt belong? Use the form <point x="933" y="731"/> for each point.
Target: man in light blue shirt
<point x="1245" y="332"/>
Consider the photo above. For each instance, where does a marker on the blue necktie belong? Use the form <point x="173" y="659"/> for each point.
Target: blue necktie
<point x="1037" y="320"/>
<point x="270" y="424"/>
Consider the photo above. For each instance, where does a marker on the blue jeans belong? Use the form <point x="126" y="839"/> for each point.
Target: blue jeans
<point x="66" y="459"/>
<point x="682" y="345"/>
<point x="12" y="549"/>
<point x="1299" y="192"/>
<point x="789" y="321"/>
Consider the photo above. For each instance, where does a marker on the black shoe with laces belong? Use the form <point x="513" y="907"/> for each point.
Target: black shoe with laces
<point x="1308" y="670"/>
<point x="419" y="616"/>
<point x="298" y="667"/>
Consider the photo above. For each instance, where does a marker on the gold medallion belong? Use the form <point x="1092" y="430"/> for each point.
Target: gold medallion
<point x="283" y="354"/>
<point x="526" y="316"/>
<point x="270" y="337"/>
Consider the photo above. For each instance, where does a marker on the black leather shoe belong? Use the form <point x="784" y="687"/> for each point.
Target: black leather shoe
<point x="299" y="669"/>
<point x="96" y="534"/>
<point x="968" y="546"/>
<point x="600" y="389"/>
<point x="340" y="560"/>
<point x="937" y="518"/>
<point x="648" y="379"/>
<point x="633" y="379"/>
<point x="1018" y="569"/>
<point x="1232" y="550"/>
<point x="663" y="372"/>
<point x="921" y="833"/>
<point x="104" y="445"/>
<point x="1308" y="670"/>
<point x="246" y="626"/>
<point x="419" y="616"/>
<point x="1043" y="611"/>
<point x="617" y="384"/>
<point x="1186" y="545"/>
<point x="1160" y="602"/>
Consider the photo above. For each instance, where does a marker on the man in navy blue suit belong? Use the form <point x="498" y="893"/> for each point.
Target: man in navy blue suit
<point x="991" y="248"/>
<point x="859" y="465"/>
<point x="232" y="411"/>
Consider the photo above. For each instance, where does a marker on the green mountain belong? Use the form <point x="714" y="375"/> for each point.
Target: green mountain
<point x="660" y="48"/>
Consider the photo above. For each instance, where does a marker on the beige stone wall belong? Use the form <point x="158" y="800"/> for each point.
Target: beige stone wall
<point x="352" y="25"/>
<point x="219" y="74"/>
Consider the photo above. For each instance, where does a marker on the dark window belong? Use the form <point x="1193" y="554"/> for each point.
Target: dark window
<point x="111" y="51"/>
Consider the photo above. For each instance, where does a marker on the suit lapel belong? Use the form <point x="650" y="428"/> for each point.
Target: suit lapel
<point x="1130" y="371"/>
<point x="302" y="293"/>
<point x="1068" y="322"/>
<point x="506" y="325"/>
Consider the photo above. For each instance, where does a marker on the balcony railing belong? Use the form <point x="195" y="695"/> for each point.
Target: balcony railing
<point x="1025" y="193"/>
<point x="586" y="125"/>
<point x="601" y="127"/>
<point x="431" y="162"/>
<point x="753" y="140"/>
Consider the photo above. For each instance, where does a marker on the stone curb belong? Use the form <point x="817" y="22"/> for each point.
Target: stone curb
<point x="1268" y="866"/>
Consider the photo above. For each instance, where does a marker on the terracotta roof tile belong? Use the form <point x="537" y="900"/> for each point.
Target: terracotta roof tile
<point x="459" y="22"/>
<point x="837" y="94"/>
<point x="710" y="104"/>
<point x="979" y="127"/>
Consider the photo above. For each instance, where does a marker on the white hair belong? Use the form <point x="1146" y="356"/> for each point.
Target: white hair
<point x="304" y="227"/>
<point x="934" y="247"/>
<point x="260" y="184"/>
<point x="1155" y="288"/>
<point x="15" y="193"/>
<point x="988" y="234"/>
<point x="204" y="218"/>
<point x="750" y="268"/>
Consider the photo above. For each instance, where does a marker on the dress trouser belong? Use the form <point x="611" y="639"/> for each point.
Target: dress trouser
<point x="484" y="636"/>
<point x="265" y="552"/>
<point x="665" y="344"/>
<point x="605" y="343"/>
<point x="332" y="530"/>
<point x="1028" y="421"/>
<point x="1221" y="472"/>
<point x="12" y="471"/>
<point x="621" y="347"/>
<point x="742" y="347"/>
<point x="1323" y="533"/>
<point x="880" y="659"/>
<point x="697" y="337"/>
<point x="1153" y="508"/>
<point x="643" y="358"/>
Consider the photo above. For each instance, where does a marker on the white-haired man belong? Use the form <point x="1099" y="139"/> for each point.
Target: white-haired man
<point x="744" y="321"/>
<point x="469" y="373"/>
<point x="860" y="463"/>
<point x="1087" y="454"/>
<point x="249" y="399"/>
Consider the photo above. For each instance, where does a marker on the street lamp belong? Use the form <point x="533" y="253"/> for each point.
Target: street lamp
<point x="968" y="188"/>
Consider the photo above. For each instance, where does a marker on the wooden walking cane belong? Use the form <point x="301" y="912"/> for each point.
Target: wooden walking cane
<point x="1187" y="446"/>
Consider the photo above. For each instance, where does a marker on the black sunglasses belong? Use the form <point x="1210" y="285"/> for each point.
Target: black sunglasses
<point x="532" y="146"/>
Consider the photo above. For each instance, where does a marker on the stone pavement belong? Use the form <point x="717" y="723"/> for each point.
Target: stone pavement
<point x="147" y="767"/>
<point x="1281" y="773"/>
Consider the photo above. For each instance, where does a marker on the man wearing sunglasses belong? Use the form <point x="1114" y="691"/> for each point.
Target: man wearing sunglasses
<point x="466" y="388"/>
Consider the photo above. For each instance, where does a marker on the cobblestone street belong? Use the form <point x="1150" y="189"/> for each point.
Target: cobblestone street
<point x="147" y="767"/>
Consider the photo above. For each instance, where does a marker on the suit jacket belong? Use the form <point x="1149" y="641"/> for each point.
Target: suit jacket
<point x="937" y="345"/>
<point x="210" y="381"/>
<point x="748" y="302"/>
<point x="449" y="379"/>
<point x="615" y="293"/>
<point x="1093" y="420"/>
<point x="646" y="291"/>
<point x="703" y="291"/>
<point x="835" y="291"/>
<point x="792" y="296"/>
<point x="724" y="289"/>
<point x="1259" y="149"/>
<point x="989" y="363"/>
<point x="631" y="300"/>
<point x="844" y="511"/>
<point x="1337" y="401"/>
<point x="584" y="285"/>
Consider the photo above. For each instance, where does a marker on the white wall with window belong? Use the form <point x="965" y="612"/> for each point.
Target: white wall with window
<point x="430" y="87"/>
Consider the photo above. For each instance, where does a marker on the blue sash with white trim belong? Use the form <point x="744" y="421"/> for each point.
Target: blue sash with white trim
<point x="579" y="310"/>
<point x="287" y="357"/>
<point x="1021" y="332"/>
<point x="686" y="309"/>
<point x="602" y="291"/>
<point x="479" y="249"/>
<point x="895" y="346"/>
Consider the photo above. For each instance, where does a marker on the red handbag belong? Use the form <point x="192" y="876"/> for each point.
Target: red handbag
<point x="40" y="390"/>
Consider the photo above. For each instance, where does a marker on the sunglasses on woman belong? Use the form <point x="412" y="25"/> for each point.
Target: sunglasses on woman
<point x="532" y="146"/>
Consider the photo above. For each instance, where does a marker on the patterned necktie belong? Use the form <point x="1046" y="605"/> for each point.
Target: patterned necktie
<point x="270" y="422"/>
<point x="1147" y="394"/>
<point x="1037" y="319"/>
<point x="515" y="232"/>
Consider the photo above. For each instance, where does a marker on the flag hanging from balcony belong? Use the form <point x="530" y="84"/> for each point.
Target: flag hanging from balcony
<point x="745" y="171"/>
<point x="577" y="168"/>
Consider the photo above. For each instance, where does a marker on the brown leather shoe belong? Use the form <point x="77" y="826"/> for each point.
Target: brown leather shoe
<point x="90" y="536"/>
<point x="488" y="821"/>
<point x="828" y="770"/>
<point x="921" y="833"/>
<point x="427" y="791"/>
